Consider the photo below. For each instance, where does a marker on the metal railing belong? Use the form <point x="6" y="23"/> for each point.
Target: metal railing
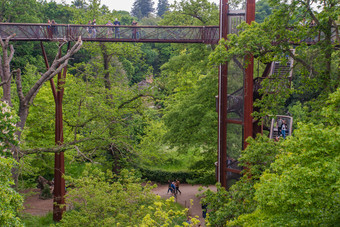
<point x="107" y="33"/>
<point x="112" y="33"/>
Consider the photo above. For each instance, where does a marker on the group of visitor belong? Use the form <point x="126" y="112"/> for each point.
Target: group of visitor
<point x="110" y="30"/>
<point x="51" y="28"/>
<point x="282" y="128"/>
<point x="174" y="187"/>
<point x="92" y="30"/>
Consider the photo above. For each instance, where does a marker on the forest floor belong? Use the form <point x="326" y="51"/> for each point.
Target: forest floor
<point x="38" y="207"/>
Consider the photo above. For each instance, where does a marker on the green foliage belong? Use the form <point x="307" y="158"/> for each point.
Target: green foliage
<point x="192" y="12"/>
<point x="310" y="112"/>
<point x="30" y="220"/>
<point x="263" y="10"/>
<point x="315" y="69"/>
<point x="20" y="11"/>
<point x="302" y="186"/>
<point x="162" y="7"/>
<point x="331" y="112"/>
<point x="162" y="176"/>
<point x="239" y="199"/>
<point x="99" y="200"/>
<point x="142" y="8"/>
<point x="46" y="192"/>
<point x="10" y="200"/>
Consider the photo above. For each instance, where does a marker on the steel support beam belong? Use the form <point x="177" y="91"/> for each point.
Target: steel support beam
<point x="248" y="81"/>
<point x="222" y="102"/>
<point x="59" y="167"/>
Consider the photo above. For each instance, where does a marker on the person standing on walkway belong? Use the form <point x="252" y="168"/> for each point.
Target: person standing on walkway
<point x="54" y="28"/>
<point x="89" y="28"/>
<point x="177" y="186"/>
<point x="109" y="29"/>
<point x="49" y="29"/>
<point x="117" y="24"/>
<point x="279" y="126"/>
<point x="134" y="30"/>
<point x="94" y="31"/>
<point x="284" y="129"/>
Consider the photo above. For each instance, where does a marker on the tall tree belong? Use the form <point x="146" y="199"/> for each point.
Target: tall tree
<point x="162" y="7"/>
<point x="25" y="100"/>
<point x="142" y="8"/>
<point x="80" y="4"/>
<point x="263" y="10"/>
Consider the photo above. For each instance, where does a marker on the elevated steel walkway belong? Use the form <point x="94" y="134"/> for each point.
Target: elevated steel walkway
<point x="124" y="33"/>
<point x="107" y="33"/>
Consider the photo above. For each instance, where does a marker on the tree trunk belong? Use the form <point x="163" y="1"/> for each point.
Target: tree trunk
<point x="106" y="61"/>
<point x="328" y="55"/>
<point x="5" y="71"/>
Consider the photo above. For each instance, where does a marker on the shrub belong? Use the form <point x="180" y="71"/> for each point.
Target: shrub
<point x="162" y="176"/>
<point x="100" y="199"/>
<point x="10" y="200"/>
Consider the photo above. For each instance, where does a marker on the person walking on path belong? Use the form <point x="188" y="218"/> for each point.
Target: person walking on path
<point x="177" y="186"/>
<point x="204" y="210"/>
<point x="117" y="33"/>
<point x="172" y="188"/>
<point x="169" y="186"/>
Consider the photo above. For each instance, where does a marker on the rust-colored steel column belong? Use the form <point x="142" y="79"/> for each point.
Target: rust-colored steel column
<point x="59" y="167"/>
<point x="248" y="81"/>
<point x="222" y="102"/>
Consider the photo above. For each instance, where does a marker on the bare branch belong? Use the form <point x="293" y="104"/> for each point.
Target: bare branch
<point x="56" y="67"/>
<point x="133" y="99"/>
<point x="57" y="149"/>
<point x="4" y="82"/>
<point x="305" y="64"/>
<point x="81" y="124"/>
<point x="83" y="155"/>
<point x="307" y="4"/>
<point x="11" y="53"/>
<point x="7" y="40"/>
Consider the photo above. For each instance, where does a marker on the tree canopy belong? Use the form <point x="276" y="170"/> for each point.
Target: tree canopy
<point x="142" y="8"/>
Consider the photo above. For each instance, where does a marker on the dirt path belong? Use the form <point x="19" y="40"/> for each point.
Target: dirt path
<point x="188" y="192"/>
<point x="35" y="206"/>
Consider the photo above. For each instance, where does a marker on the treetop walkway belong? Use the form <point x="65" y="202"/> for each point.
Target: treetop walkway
<point x="125" y="33"/>
<point x="110" y="33"/>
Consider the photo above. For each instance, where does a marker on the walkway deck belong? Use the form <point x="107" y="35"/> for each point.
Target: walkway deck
<point x="106" y="33"/>
<point x="143" y="34"/>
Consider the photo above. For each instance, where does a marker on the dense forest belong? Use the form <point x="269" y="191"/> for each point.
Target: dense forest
<point x="138" y="112"/>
